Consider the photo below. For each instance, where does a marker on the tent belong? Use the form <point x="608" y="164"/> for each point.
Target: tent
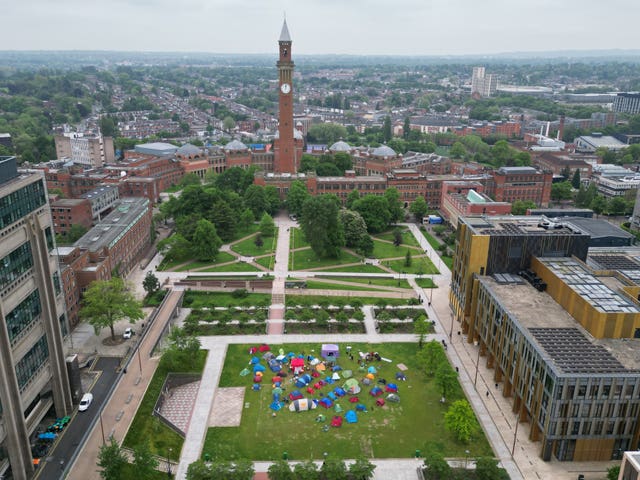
<point x="380" y="402"/>
<point x="258" y="368"/>
<point x="347" y="374"/>
<point x="337" y="408"/>
<point x="302" y="405"/>
<point x="303" y="381"/>
<point x="372" y="369"/>
<point x="295" y="395"/>
<point x="361" y="407"/>
<point x="335" y="376"/>
<point x="366" y="381"/>
<point x="314" y="361"/>
<point x="328" y="380"/>
<point x="315" y="374"/>
<point x="256" y="387"/>
<point x="391" y="388"/>
<point x="264" y="348"/>
<point x="244" y="372"/>
<point x="276" y="406"/>
<point x="277" y="390"/>
<point x="255" y="360"/>
<point x="394" y="398"/>
<point x="351" y="417"/>
<point x="370" y="376"/>
<point x="336" y="421"/>
<point x="268" y="356"/>
<point x="329" y="351"/>
<point x="297" y="365"/>
<point x="310" y="390"/>
<point x="326" y="402"/>
<point x="320" y="367"/>
<point x="351" y="386"/>
<point x="376" y="392"/>
<point x="354" y="400"/>
<point x="332" y="395"/>
<point x="257" y="379"/>
<point x="339" y="392"/>
<point x="400" y="376"/>
<point x="274" y="365"/>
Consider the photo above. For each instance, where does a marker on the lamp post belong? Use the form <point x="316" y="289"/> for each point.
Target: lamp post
<point x="515" y="435"/>
<point x="451" y="331"/>
<point x="139" y="361"/>
<point x="466" y="458"/>
<point x="475" y="380"/>
<point x="101" y="427"/>
<point x="169" y="462"/>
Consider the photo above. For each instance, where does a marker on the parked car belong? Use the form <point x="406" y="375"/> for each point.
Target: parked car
<point x="127" y="333"/>
<point x="86" y="400"/>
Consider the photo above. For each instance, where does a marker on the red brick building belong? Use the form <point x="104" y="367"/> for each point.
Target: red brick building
<point x="466" y="198"/>
<point x="559" y="162"/>
<point x="509" y="184"/>
<point x="69" y="211"/>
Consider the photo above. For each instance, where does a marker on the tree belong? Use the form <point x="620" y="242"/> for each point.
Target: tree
<point x="487" y="469"/>
<point x="296" y="197"/>
<point x="354" y="227"/>
<point x="520" y="207"/>
<point x="361" y="469"/>
<point x="561" y="191"/>
<point x="174" y="248"/>
<point x="616" y="206"/>
<point x="575" y="180"/>
<point x="598" y="204"/>
<point x="375" y="211"/>
<point x="343" y="161"/>
<point x="246" y="218"/>
<point x="151" y="284"/>
<point x="460" y="420"/>
<point x="280" y="470"/>
<point x="352" y="197"/>
<point x="107" y="301"/>
<point x="333" y="469"/>
<point x="258" y="242"/>
<point x="431" y="356"/>
<point x="437" y="466"/>
<point x="326" y="133"/>
<point x="243" y="470"/>
<point x="111" y="460"/>
<point x="228" y="123"/>
<point x="419" y="208"/>
<point x="406" y="127"/>
<point x="366" y="246"/>
<point x="267" y="226"/>
<point x="206" y="242"/>
<point x="457" y="150"/>
<point x="190" y="179"/>
<point x="501" y="153"/>
<point x="407" y="259"/>
<point x="397" y="236"/>
<point x="613" y="472"/>
<point x="387" y="134"/>
<point x="306" y="471"/>
<point x="272" y="197"/>
<point x="421" y="328"/>
<point x="446" y="378"/>
<point x="255" y="199"/>
<point x="395" y="205"/>
<point x="199" y="470"/>
<point x="236" y="179"/>
<point x="144" y="461"/>
<point x="321" y="226"/>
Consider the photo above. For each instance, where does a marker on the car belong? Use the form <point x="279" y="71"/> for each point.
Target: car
<point x="127" y="333"/>
<point x="86" y="400"/>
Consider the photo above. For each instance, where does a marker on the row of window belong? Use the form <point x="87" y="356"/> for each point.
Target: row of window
<point x="21" y="202"/>
<point x="23" y="316"/>
<point x="15" y="264"/>
<point x="32" y="362"/>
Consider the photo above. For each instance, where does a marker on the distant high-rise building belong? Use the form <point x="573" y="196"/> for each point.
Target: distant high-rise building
<point x="483" y="85"/>
<point x="627" y="103"/>
<point x="91" y="151"/>
<point x="33" y="372"/>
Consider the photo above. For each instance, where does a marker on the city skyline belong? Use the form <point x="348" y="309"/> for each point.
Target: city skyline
<point x="410" y="27"/>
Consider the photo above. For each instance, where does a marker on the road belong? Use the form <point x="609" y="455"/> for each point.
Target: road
<point x="74" y="433"/>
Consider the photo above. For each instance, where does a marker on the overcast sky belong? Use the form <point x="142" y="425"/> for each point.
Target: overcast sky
<point x="406" y="27"/>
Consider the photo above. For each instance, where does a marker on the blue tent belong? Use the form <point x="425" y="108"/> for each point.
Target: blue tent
<point x="331" y="395"/>
<point x="376" y="392"/>
<point x="275" y="365"/>
<point x="275" y="406"/>
<point x="255" y="360"/>
<point x="258" y="368"/>
<point x="372" y="369"/>
<point x="339" y="392"/>
<point x="351" y="417"/>
<point x="256" y="387"/>
<point x="361" y="407"/>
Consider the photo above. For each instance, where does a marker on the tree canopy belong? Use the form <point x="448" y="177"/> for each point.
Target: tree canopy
<point x="321" y="226"/>
<point x="375" y="211"/>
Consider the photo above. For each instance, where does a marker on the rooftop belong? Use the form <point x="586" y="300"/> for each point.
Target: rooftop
<point x="517" y="225"/>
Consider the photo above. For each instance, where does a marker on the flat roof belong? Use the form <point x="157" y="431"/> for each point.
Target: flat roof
<point x="597" y="228"/>
<point x="517" y="225"/>
<point x="67" y="202"/>
<point x="588" y="286"/>
<point x="568" y="346"/>
<point x="120" y="219"/>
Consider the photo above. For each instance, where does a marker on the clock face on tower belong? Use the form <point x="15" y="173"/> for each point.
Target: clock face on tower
<point x="285" y="88"/>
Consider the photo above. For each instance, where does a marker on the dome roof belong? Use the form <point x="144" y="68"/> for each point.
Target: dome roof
<point x="340" y="146"/>
<point x="188" y="149"/>
<point x="383" y="151"/>
<point x="235" y="145"/>
<point x="297" y="135"/>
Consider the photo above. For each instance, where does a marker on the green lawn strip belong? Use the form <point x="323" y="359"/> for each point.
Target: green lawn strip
<point x="337" y="286"/>
<point x="195" y="299"/>
<point x="248" y="247"/>
<point x="407" y="238"/>
<point x="232" y="267"/>
<point x="384" y="282"/>
<point x="420" y="265"/>
<point x="305" y="259"/>
<point x="392" y="431"/>
<point x="222" y="257"/>
<point x="293" y="299"/>
<point x="129" y="471"/>
<point x="169" y="265"/>
<point x="267" y="261"/>
<point x="425" y="283"/>
<point x="360" y="268"/>
<point x="448" y="261"/>
<point x="384" y="250"/>
<point x="297" y="239"/>
<point x="243" y="232"/>
<point x="145" y="427"/>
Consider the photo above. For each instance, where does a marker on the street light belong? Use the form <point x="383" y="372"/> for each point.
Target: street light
<point x="466" y="458"/>
<point x="169" y="463"/>
<point x="515" y="435"/>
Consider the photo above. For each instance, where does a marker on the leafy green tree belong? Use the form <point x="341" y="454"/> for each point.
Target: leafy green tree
<point x="296" y="197"/>
<point x="255" y="199"/>
<point x="258" y="242"/>
<point x="352" y="197"/>
<point x="419" y="208"/>
<point x="199" y="470"/>
<point x="407" y="259"/>
<point x="206" y="242"/>
<point x="190" y="179"/>
<point x="273" y="199"/>
<point x="460" y="420"/>
<point x="397" y="236"/>
<point x="522" y="159"/>
<point x="228" y="124"/>
<point x="243" y="469"/>
<point x="598" y="204"/>
<point x="457" y="150"/>
<point x="366" y="246"/>
<point x="333" y="469"/>
<point x="575" y="180"/>
<point x="144" y="461"/>
<point x="246" y="219"/>
<point x="387" y="133"/>
<point x="306" y="471"/>
<point x="406" y="127"/>
<point x="436" y="466"/>
<point x="502" y="153"/>
<point x="106" y="302"/>
<point x="431" y="356"/>
<point x="561" y="191"/>
<point x="151" y="284"/>
<point x="280" y="470"/>
<point x="326" y="133"/>
<point x="487" y="469"/>
<point x="343" y="161"/>
<point x="375" y="211"/>
<point x="267" y="225"/>
<point x="236" y="179"/>
<point x="174" y="248"/>
<point x="321" y="226"/>
<point x="354" y="227"/>
<point x="520" y="207"/>
<point x="111" y="460"/>
<point x="446" y="378"/>
<point x="421" y="328"/>
<point x="361" y="469"/>
<point x="616" y="206"/>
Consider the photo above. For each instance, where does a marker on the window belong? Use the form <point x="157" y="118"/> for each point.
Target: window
<point x="32" y="362"/>
<point x="21" y="202"/>
<point x="15" y="264"/>
<point x="21" y="317"/>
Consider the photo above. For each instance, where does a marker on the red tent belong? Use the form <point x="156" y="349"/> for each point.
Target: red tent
<point x="297" y="365"/>
<point x="264" y="348"/>
<point x="337" y="421"/>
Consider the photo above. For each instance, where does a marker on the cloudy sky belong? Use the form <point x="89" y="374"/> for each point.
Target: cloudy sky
<point x="406" y="27"/>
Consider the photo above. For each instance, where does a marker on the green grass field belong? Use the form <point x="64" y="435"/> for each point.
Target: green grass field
<point x="222" y="257"/>
<point x="336" y="286"/>
<point x="233" y="267"/>
<point x="266" y="261"/>
<point x="383" y="282"/>
<point x="418" y="265"/>
<point x="382" y="250"/>
<point x="248" y="247"/>
<point x="425" y="283"/>
<point x="360" y="268"/>
<point x="392" y="431"/>
<point x="195" y="299"/>
<point x="407" y="238"/>
<point x="319" y="299"/>
<point x="431" y="239"/>
<point x="305" y="259"/>
<point x="297" y="238"/>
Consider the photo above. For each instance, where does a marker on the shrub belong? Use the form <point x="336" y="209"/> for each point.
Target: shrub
<point x="240" y="293"/>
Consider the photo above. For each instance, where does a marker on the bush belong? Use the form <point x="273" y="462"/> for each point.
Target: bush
<point x="240" y="293"/>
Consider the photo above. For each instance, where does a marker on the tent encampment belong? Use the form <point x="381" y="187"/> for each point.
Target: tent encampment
<point x="376" y="392"/>
<point x="302" y="405"/>
<point x="297" y="365"/>
<point x="391" y="388"/>
<point x="351" y="386"/>
<point x="329" y="351"/>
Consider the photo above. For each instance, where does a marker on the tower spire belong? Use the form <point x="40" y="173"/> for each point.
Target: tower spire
<point x="284" y="34"/>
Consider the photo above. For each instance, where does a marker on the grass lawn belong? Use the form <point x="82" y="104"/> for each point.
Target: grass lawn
<point x="335" y="286"/>
<point x="129" y="471"/>
<point x="431" y="239"/>
<point x="448" y="261"/>
<point x="233" y="267"/>
<point x="360" y="268"/>
<point x="392" y="431"/>
<point x="248" y="247"/>
<point x="383" y="282"/>
<point x="425" y="283"/>
<point x="195" y="299"/>
<point x="384" y="250"/>
<point x="145" y="427"/>
<point x="319" y="299"/>
<point x="297" y="239"/>
<point x="305" y="259"/>
<point x="266" y="261"/>
<point x="222" y="257"/>
<point x="418" y="265"/>
<point x="407" y="238"/>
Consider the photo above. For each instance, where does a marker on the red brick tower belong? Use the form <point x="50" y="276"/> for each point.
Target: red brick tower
<point x="285" y="160"/>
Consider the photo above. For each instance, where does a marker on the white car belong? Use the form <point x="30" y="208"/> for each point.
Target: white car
<point x="127" y="333"/>
<point x="87" y="398"/>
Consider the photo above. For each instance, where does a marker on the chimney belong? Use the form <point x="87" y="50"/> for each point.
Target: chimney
<point x="561" y="127"/>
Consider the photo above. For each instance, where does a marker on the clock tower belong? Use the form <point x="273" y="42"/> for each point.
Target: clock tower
<point x="285" y="153"/>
